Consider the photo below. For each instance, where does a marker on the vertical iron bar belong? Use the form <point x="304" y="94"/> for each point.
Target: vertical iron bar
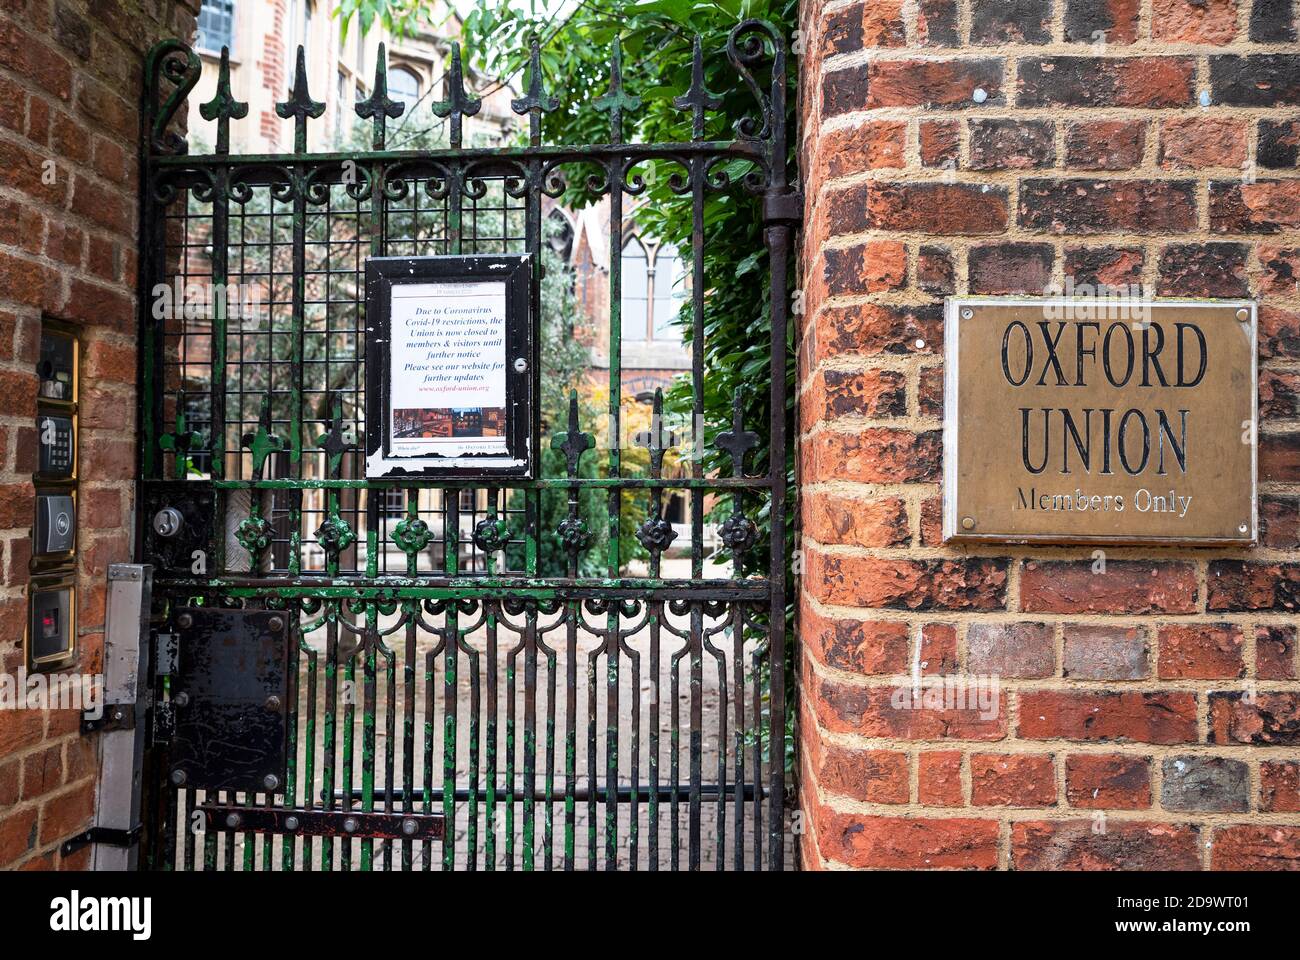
<point x="697" y="729"/>
<point x="548" y="840"/>
<point x="291" y="747"/>
<point x="370" y="706"/>
<point x="776" y="237"/>
<point x="593" y="659"/>
<point x="451" y="637"/>
<point x="570" y="726"/>
<point x="309" y="733"/>
<point x="738" y="686"/>
<point x="330" y="744"/>
<point x="530" y="735"/>
<point x="656" y="614"/>
<point x="490" y="812"/>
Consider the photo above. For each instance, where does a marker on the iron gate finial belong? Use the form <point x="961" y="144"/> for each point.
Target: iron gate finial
<point x="378" y="106"/>
<point x="300" y="105"/>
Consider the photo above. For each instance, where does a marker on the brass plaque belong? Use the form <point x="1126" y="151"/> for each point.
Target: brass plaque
<point x="1099" y="421"/>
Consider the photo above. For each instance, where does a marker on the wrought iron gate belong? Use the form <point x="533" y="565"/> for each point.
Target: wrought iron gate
<point x="377" y="673"/>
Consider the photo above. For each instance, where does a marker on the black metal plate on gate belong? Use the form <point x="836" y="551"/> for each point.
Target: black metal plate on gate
<point x="229" y="696"/>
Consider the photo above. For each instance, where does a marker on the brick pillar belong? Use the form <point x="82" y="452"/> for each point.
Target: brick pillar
<point x="70" y="86"/>
<point x="1147" y="716"/>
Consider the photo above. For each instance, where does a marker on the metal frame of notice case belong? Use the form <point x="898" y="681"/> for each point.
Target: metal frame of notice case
<point x="383" y="275"/>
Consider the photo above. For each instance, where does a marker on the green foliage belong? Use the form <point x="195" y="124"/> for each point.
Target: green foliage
<point x="657" y="37"/>
<point x="397" y="18"/>
<point x="565" y="361"/>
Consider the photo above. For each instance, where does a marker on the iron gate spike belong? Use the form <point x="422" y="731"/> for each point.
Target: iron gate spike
<point x="536" y="101"/>
<point x="698" y="98"/>
<point x="616" y="101"/>
<point x="299" y="105"/>
<point x="378" y="106"/>
<point x="458" y="103"/>
<point x="223" y="107"/>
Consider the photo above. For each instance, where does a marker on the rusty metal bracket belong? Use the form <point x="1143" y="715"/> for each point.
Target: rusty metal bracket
<point x="324" y="823"/>
<point x="116" y="716"/>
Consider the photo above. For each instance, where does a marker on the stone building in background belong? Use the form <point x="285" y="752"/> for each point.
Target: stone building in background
<point x="263" y="37"/>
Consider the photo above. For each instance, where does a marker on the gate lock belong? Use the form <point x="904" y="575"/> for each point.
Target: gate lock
<point x="179" y="530"/>
<point x="168" y="522"/>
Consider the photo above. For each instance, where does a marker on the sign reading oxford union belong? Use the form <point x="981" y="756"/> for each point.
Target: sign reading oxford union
<point x="1099" y="421"/>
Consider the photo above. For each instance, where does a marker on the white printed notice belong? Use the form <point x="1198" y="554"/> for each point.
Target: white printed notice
<point x="448" y="369"/>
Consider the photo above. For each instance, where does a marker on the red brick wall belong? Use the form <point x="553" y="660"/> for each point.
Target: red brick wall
<point x="1148" y="716"/>
<point x="70" y="83"/>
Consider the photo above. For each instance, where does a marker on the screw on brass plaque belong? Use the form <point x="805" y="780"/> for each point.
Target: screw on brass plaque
<point x="968" y="523"/>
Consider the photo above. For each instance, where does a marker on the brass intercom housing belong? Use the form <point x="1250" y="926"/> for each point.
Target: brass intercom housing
<point x="52" y="593"/>
<point x="51" y="621"/>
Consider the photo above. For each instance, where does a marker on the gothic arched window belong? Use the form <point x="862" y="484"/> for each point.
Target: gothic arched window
<point x="636" y="291"/>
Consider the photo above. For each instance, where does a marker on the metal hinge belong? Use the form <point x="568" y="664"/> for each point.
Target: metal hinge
<point x="104" y="835"/>
<point x="783" y="208"/>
